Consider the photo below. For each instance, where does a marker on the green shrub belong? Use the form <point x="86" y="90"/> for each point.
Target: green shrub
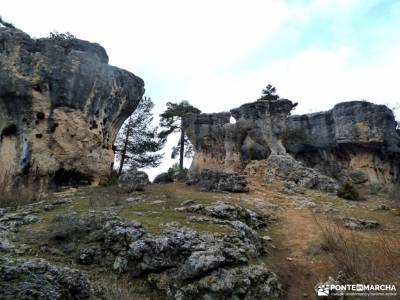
<point x="111" y="180"/>
<point x="349" y="192"/>
<point x="6" y="24"/>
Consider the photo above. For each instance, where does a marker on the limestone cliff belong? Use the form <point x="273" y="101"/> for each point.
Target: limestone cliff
<point x="61" y="106"/>
<point x="354" y="141"/>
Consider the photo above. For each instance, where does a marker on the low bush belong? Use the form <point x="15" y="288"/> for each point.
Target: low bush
<point x="362" y="260"/>
<point x="111" y="180"/>
<point x="349" y="192"/>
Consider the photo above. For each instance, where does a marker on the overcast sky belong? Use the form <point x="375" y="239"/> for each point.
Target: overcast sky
<point x="220" y="54"/>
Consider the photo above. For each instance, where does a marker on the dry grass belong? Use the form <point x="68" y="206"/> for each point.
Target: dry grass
<point x="372" y="260"/>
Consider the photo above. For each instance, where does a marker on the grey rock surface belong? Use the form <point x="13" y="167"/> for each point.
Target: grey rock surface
<point x="359" y="224"/>
<point x="230" y="212"/>
<point x="286" y="168"/>
<point x="133" y="180"/>
<point x="39" y="279"/>
<point x="216" y="181"/>
<point x="357" y="137"/>
<point x="163" y="178"/>
<point x="61" y="106"/>
<point x="244" y="282"/>
<point x="355" y="141"/>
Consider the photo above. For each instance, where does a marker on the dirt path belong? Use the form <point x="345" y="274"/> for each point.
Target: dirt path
<point x="299" y="269"/>
<point x="298" y="234"/>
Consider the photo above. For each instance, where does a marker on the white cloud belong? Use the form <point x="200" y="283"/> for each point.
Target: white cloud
<point x="184" y="49"/>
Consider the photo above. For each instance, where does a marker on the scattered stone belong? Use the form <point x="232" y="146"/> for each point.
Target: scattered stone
<point x="62" y="201"/>
<point x="358" y="224"/>
<point x="187" y="202"/>
<point x="133" y="180"/>
<point x="48" y="207"/>
<point x="382" y="207"/>
<point x="132" y="199"/>
<point x="157" y="202"/>
<point x="267" y="238"/>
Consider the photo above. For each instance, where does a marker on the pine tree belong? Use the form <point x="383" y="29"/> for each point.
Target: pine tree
<point x="171" y="120"/>
<point x="269" y="93"/>
<point x="138" y="141"/>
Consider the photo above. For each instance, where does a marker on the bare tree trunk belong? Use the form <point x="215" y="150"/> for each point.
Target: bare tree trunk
<point x="124" y="149"/>
<point x="182" y="150"/>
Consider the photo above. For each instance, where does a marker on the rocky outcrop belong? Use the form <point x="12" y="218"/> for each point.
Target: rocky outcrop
<point x="61" y="106"/>
<point x="39" y="279"/>
<point x="230" y="212"/>
<point x="356" y="141"/>
<point x="224" y="146"/>
<point x="177" y="260"/>
<point x="285" y="168"/>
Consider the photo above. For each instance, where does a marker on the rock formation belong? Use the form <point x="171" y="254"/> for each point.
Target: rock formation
<point x="61" y="106"/>
<point x="356" y="141"/>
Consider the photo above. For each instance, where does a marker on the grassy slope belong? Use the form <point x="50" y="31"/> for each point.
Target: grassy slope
<point x="295" y="232"/>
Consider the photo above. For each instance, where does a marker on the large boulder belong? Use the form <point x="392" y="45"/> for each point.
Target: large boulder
<point x="133" y="180"/>
<point x="61" y="106"/>
<point x="163" y="178"/>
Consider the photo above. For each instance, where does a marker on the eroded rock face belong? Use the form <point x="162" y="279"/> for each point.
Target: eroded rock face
<point x="61" y="106"/>
<point x="356" y="141"/>
<point x="222" y="146"/>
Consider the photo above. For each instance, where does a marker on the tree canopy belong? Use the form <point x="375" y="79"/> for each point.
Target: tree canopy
<point x="171" y="121"/>
<point x="138" y="141"/>
<point x="269" y="93"/>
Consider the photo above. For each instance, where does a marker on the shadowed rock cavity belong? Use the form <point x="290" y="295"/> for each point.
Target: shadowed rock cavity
<point x="61" y="106"/>
<point x="355" y="141"/>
